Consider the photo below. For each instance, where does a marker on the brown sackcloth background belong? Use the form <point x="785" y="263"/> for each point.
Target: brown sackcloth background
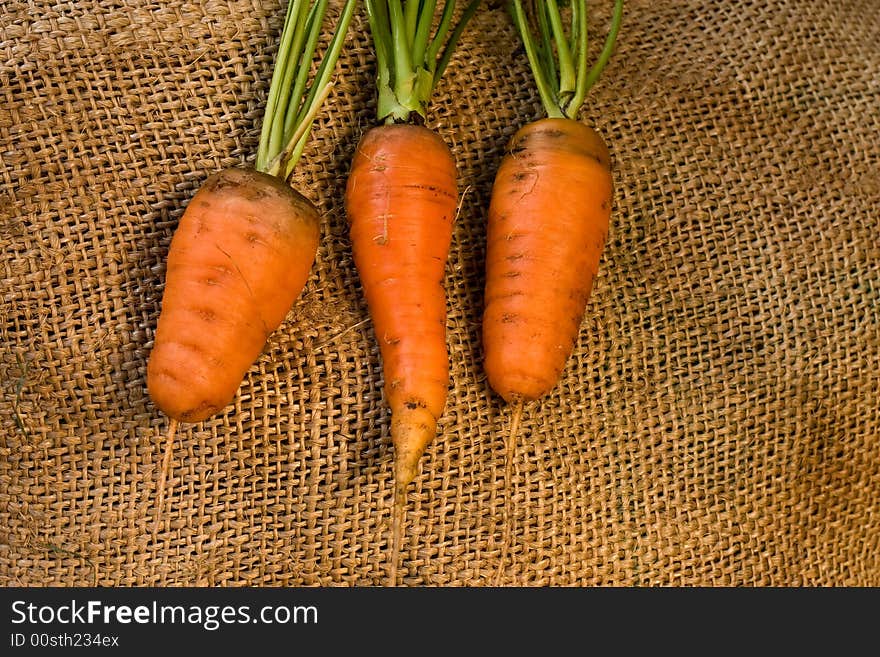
<point x="717" y="423"/>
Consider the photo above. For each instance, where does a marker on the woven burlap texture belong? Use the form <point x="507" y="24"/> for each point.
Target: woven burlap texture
<point x="717" y="423"/>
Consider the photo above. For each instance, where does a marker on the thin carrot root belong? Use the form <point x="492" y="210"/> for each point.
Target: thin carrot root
<point x="411" y="432"/>
<point x="509" y="451"/>
<point x="397" y="519"/>
<point x="163" y="474"/>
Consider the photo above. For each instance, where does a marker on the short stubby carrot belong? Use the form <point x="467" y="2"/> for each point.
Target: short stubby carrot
<point x="548" y="221"/>
<point x="245" y="245"/>
<point x="240" y="257"/>
<point x="400" y="199"/>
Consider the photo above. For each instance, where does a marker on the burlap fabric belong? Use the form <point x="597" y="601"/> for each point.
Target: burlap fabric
<point x="717" y="423"/>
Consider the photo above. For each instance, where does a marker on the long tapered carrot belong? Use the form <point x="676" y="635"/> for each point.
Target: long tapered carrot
<point x="548" y="220"/>
<point x="401" y="212"/>
<point x="401" y="198"/>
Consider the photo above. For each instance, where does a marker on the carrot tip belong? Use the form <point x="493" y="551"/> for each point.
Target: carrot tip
<point x="509" y="449"/>
<point x="411" y="432"/>
<point x="163" y="474"/>
<point x="398" y="512"/>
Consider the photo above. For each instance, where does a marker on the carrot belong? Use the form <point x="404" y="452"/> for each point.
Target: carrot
<point x="400" y="199"/>
<point x="548" y="220"/>
<point x="244" y="247"/>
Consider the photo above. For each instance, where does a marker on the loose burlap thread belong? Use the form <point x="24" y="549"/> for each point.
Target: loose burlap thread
<point x="717" y="421"/>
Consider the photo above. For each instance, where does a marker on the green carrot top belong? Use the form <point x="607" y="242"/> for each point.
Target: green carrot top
<point x="294" y="100"/>
<point x="557" y="51"/>
<point x="411" y="53"/>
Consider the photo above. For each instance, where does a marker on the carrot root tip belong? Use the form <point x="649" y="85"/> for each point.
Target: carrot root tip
<point x="509" y="450"/>
<point x="412" y="430"/>
<point x="163" y="474"/>
<point x="397" y="519"/>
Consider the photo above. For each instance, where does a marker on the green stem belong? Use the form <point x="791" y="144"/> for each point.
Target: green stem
<point x="274" y="88"/>
<point x="423" y="31"/>
<point x="313" y="30"/>
<point x="563" y="52"/>
<point x="559" y="60"/>
<point x="318" y="91"/>
<point x="409" y="59"/>
<point x="411" y="19"/>
<point x="538" y="72"/>
<point x="402" y="60"/>
<point x="380" y="30"/>
<point x="282" y="162"/>
<point x="605" y="55"/>
<point x="381" y="39"/>
<point x="442" y="31"/>
<point x="454" y="38"/>
<point x="295" y="56"/>
<point x="293" y="102"/>
<point x="544" y="46"/>
<point x="581" y="40"/>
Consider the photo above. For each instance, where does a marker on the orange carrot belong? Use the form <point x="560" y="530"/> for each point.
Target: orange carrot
<point x="548" y="221"/>
<point x="400" y="200"/>
<point x="239" y="258"/>
<point x="244" y="247"/>
<point x="401" y="212"/>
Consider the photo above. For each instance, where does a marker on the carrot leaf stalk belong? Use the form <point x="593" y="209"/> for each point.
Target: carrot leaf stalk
<point x="410" y="57"/>
<point x="294" y="100"/>
<point x="559" y="57"/>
